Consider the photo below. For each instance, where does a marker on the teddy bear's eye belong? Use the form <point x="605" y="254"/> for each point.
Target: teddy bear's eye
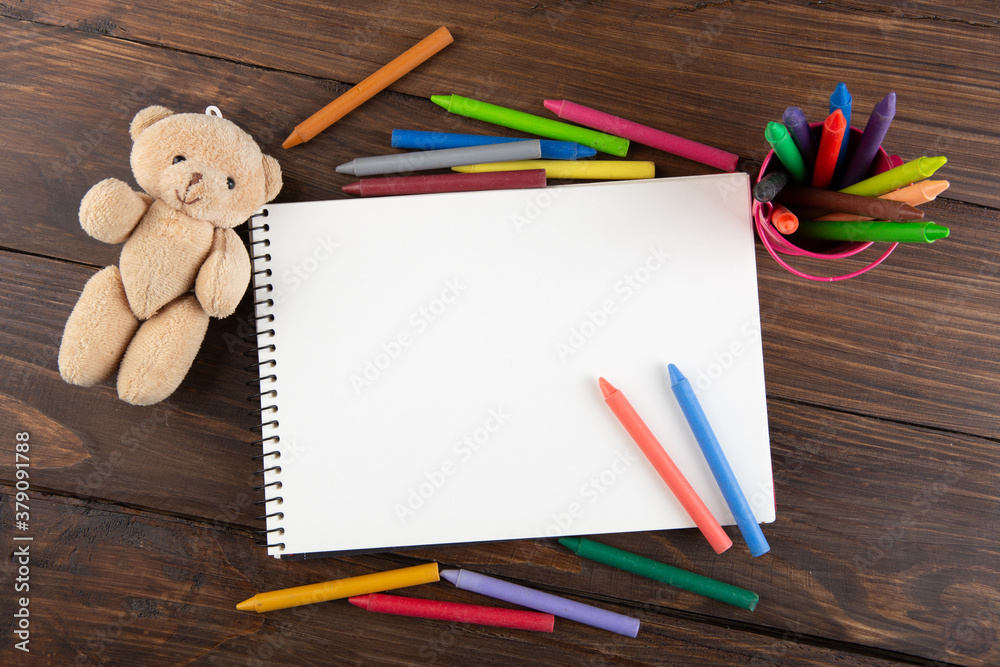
<point x="231" y="183"/>
<point x="179" y="158"/>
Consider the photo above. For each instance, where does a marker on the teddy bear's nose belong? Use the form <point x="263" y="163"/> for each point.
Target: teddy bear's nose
<point x="195" y="178"/>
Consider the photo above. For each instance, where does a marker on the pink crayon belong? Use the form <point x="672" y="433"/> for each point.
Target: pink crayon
<point x="643" y="134"/>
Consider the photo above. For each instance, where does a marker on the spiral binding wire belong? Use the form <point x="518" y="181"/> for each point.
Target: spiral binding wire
<point x="267" y="413"/>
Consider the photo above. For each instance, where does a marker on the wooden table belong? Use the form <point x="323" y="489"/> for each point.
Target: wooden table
<point x="881" y="390"/>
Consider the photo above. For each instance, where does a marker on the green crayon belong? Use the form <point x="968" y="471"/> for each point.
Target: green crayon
<point x="657" y="571"/>
<point x="532" y="124"/>
<point x="872" y="230"/>
<point x="786" y="150"/>
<point x="900" y="177"/>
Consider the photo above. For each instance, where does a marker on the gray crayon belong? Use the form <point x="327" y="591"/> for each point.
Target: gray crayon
<point x="440" y="159"/>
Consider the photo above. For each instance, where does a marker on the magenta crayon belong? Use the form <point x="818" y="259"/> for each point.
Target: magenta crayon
<point x="415" y="185"/>
<point x="544" y="602"/>
<point x="871" y="140"/>
<point x="834" y="129"/>
<point x="643" y="134"/>
<point x="455" y="611"/>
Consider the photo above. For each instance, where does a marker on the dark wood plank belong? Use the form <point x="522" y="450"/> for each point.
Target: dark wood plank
<point x="169" y="588"/>
<point x="91" y="444"/>
<point x="663" y="65"/>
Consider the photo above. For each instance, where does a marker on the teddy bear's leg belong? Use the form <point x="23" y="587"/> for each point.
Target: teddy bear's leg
<point x="162" y="351"/>
<point x="97" y="331"/>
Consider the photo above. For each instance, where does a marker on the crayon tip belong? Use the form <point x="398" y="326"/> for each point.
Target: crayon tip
<point x="932" y="189"/>
<point x="775" y="131"/>
<point x="887" y="107"/>
<point x="442" y="100"/>
<point x="359" y="601"/>
<point x="571" y="543"/>
<point x="451" y="575"/>
<point x="346" y="168"/>
<point x="465" y="169"/>
<point x="352" y="188"/>
<point x="248" y="605"/>
<point x="793" y="115"/>
<point x="606" y="387"/>
<point x="555" y="106"/>
<point x="675" y="374"/>
<point x="836" y="121"/>
<point x="928" y="165"/>
<point x="841" y="96"/>
<point x="293" y="140"/>
<point x="934" y="231"/>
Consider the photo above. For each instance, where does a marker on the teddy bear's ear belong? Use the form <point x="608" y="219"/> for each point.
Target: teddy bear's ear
<point x="147" y="117"/>
<point x="272" y="177"/>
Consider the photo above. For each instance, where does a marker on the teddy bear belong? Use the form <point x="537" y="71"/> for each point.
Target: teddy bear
<point x="181" y="264"/>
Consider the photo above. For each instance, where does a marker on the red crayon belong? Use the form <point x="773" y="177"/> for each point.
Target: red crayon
<point x="834" y="128"/>
<point x="417" y="185"/>
<point x="455" y="611"/>
<point x="665" y="466"/>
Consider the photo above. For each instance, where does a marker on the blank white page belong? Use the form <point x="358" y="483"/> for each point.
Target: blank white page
<point x="437" y="361"/>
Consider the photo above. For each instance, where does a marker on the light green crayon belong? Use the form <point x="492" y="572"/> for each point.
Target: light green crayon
<point x="900" y="177"/>
<point x="786" y="150"/>
<point x="872" y="230"/>
<point x="526" y="122"/>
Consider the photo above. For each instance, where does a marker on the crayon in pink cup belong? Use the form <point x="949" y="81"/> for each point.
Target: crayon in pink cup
<point x="777" y="244"/>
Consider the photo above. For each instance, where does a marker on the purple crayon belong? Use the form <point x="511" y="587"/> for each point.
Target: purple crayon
<point x="795" y="120"/>
<point x="871" y="140"/>
<point x="539" y="601"/>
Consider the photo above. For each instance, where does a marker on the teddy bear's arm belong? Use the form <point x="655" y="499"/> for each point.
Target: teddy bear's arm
<point x="111" y="209"/>
<point x="223" y="278"/>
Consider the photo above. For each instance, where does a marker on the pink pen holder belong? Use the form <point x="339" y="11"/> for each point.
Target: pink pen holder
<point x="777" y="244"/>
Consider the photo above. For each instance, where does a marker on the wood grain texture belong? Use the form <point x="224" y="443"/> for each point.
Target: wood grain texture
<point x="881" y="389"/>
<point x="169" y="590"/>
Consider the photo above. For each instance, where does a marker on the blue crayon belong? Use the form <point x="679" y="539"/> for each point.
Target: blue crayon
<point x="551" y="150"/>
<point x="795" y="120"/>
<point x="717" y="461"/>
<point x="841" y="99"/>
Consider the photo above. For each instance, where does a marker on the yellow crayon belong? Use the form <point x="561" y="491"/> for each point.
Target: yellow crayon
<point x="342" y="588"/>
<point x="914" y="194"/>
<point x="592" y="169"/>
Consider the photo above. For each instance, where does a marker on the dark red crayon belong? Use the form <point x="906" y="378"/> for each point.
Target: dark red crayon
<point x="417" y="185"/>
<point x="455" y="611"/>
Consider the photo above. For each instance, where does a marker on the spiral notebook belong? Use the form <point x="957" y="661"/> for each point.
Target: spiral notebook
<point x="429" y="364"/>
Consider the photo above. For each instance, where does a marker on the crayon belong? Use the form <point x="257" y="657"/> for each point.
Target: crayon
<point x="367" y="89"/>
<point x="833" y="136"/>
<point x="769" y="186"/>
<point x="455" y="612"/>
<point x="657" y="571"/>
<point x="428" y="141"/>
<point x="841" y="99"/>
<point x="795" y="120"/>
<point x="784" y="220"/>
<point x="666" y="468"/>
<point x="871" y="140"/>
<point x="643" y="134"/>
<point x="786" y="151"/>
<point x="416" y="185"/>
<point x="532" y="124"/>
<point x="914" y="194"/>
<point x="873" y="207"/>
<point x="905" y="174"/>
<point x="872" y="230"/>
<point x="590" y="169"/>
<point x="447" y="157"/>
<point x="544" y="602"/>
<point x="717" y="462"/>
<point x="341" y="588"/>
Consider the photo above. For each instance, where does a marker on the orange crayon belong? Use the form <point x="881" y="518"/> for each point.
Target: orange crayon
<point x="834" y="129"/>
<point x="367" y="89"/>
<point x="666" y="468"/>
<point x="784" y="220"/>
